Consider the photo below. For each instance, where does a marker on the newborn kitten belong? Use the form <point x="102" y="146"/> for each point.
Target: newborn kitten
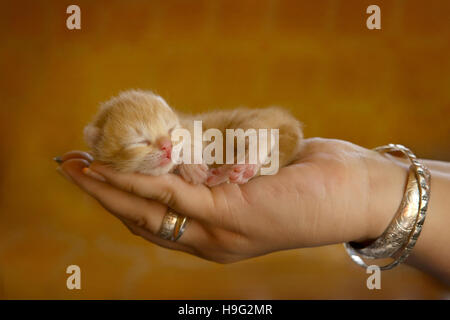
<point x="290" y="138"/>
<point x="132" y="133"/>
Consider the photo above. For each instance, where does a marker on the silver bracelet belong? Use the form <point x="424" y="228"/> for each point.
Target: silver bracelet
<point x="398" y="240"/>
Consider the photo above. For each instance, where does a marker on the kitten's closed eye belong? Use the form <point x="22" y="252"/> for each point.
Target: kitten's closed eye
<point x="140" y="143"/>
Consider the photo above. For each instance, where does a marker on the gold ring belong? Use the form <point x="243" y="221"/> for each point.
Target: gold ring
<point x="172" y="226"/>
<point x="179" y="228"/>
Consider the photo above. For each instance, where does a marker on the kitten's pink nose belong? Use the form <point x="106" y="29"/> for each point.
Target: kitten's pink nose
<point x="166" y="145"/>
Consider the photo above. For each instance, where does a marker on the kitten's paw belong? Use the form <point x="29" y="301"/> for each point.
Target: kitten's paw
<point x="194" y="173"/>
<point x="241" y="173"/>
<point x="217" y="176"/>
<point x="236" y="173"/>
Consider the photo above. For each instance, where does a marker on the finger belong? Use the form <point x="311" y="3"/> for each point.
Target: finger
<point x="74" y="155"/>
<point x="141" y="211"/>
<point x="93" y="174"/>
<point x="180" y="245"/>
<point x="209" y="248"/>
<point x="195" y="201"/>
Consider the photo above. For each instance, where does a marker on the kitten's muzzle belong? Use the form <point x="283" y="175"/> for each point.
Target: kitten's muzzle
<point x="165" y="145"/>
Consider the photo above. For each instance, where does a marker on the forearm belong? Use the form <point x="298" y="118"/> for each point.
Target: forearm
<point x="437" y="166"/>
<point x="431" y="252"/>
<point x="434" y="165"/>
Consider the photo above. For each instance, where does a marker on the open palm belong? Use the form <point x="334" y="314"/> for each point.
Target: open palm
<point x="322" y="198"/>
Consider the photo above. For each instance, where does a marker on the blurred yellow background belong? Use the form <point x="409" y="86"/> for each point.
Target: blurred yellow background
<point x="316" y="58"/>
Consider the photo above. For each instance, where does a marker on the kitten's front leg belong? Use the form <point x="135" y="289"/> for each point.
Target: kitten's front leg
<point x="193" y="173"/>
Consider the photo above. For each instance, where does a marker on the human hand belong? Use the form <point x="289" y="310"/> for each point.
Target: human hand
<point x="335" y="192"/>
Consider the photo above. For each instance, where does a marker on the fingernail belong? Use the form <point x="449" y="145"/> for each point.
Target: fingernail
<point x="64" y="174"/>
<point x="93" y="174"/>
<point x="58" y="159"/>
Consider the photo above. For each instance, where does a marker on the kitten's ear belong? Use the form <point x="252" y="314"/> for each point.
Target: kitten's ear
<point x="91" y="135"/>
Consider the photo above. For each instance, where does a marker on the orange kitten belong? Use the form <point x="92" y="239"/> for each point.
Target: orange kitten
<point x="132" y="133"/>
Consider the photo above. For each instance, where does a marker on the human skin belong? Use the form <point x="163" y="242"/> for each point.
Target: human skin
<point x="334" y="192"/>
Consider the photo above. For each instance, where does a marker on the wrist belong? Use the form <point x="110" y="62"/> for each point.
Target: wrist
<point x="387" y="181"/>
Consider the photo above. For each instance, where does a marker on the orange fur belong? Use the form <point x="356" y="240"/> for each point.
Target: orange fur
<point x="127" y="128"/>
<point x="125" y="131"/>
